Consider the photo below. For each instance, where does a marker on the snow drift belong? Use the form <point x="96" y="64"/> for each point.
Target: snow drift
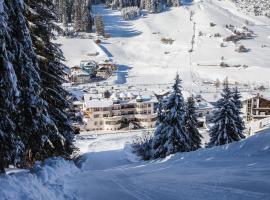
<point x="42" y="182"/>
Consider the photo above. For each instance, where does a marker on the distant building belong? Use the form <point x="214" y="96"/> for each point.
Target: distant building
<point x="256" y="107"/>
<point x="106" y="68"/>
<point x="120" y="110"/>
<point x="79" y="76"/>
<point x="90" y="67"/>
<point x="203" y="110"/>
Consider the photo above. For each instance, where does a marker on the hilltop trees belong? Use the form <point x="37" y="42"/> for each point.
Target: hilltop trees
<point x="153" y="6"/>
<point x="76" y="11"/>
<point x="82" y="15"/>
<point x="99" y="25"/>
<point x="228" y="126"/>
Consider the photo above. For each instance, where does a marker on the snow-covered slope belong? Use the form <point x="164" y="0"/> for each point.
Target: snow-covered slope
<point x="137" y="44"/>
<point x="237" y="171"/>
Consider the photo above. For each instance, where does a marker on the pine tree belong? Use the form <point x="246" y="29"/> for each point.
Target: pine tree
<point x="170" y="135"/>
<point x="224" y="130"/>
<point x="77" y="15"/>
<point x="240" y="124"/>
<point x="64" y="13"/>
<point x="10" y="144"/>
<point x="191" y="124"/>
<point x="160" y="115"/>
<point x="99" y="25"/>
<point x="27" y="115"/>
<point x="86" y="16"/>
<point x="58" y="131"/>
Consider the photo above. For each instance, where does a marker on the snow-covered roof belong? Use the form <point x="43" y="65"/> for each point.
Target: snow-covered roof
<point x="98" y="103"/>
<point x="77" y="103"/>
<point x="80" y="72"/>
<point x="203" y="105"/>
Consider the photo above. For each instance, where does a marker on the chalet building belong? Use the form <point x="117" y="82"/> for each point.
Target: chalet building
<point x="90" y="67"/>
<point x="107" y="64"/>
<point x="79" y="76"/>
<point x="256" y="108"/>
<point x="105" y="69"/>
<point x="120" y="110"/>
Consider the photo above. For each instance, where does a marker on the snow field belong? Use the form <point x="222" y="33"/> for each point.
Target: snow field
<point x="137" y="44"/>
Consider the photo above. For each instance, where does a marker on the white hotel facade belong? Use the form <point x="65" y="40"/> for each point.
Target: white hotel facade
<point x="118" y="111"/>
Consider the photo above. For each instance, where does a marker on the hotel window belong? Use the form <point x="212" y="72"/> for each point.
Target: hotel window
<point x="96" y="116"/>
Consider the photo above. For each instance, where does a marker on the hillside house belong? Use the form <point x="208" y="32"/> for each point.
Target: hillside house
<point x="256" y="107"/>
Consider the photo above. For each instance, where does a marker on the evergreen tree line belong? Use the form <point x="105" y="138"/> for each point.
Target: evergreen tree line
<point x="177" y="124"/>
<point x="34" y="124"/>
<point x="153" y="6"/>
<point x="77" y="12"/>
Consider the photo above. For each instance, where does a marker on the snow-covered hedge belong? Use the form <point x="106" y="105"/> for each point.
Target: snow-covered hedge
<point x="130" y="13"/>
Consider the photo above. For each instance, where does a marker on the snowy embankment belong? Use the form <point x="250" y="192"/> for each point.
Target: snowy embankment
<point x="237" y="171"/>
<point x="43" y="182"/>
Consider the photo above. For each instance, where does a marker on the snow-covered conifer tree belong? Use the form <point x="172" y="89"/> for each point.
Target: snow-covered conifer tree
<point x="170" y="135"/>
<point x="64" y="13"/>
<point x="11" y="146"/>
<point x="57" y="131"/>
<point x="99" y="25"/>
<point x="77" y="15"/>
<point x="224" y="130"/>
<point x="86" y="16"/>
<point x="191" y="124"/>
<point x="240" y="124"/>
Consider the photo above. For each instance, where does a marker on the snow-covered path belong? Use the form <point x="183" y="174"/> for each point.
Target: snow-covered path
<point x="236" y="171"/>
<point x="239" y="171"/>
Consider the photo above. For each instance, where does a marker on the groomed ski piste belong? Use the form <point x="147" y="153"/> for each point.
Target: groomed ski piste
<point x="108" y="169"/>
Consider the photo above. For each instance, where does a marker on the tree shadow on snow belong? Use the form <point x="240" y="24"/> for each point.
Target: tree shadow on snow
<point x="104" y="160"/>
<point x="187" y="2"/>
<point x="105" y="51"/>
<point x="122" y="74"/>
<point x="114" y="24"/>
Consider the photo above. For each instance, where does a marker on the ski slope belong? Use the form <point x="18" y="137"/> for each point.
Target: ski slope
<point x="137" y="44"/>
<point x="239" y="171"/>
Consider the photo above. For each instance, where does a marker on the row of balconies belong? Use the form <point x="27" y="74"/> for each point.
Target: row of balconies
<point x="127" y="106"/>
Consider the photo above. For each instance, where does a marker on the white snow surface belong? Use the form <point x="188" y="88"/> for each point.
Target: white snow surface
<point x="76" y="50"/>
<point x="136" y="46"/>
<point x="236" y="171"/>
